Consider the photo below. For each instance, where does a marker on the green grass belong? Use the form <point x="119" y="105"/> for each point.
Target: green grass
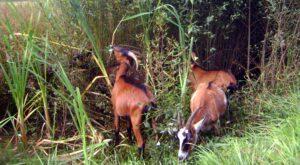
<point x="273" y="139"/>
<point x="276" y="139"/>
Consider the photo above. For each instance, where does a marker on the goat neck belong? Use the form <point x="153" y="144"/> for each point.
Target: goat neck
<point x="123" y="68"/>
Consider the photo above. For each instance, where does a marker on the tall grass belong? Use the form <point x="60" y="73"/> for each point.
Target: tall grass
<point x="147" y="21"/>
<point x="78" y="113"/>
<point x="84" y="24"/>
<point x="40" y="69"/>
<point x="16" y="71"/>
<point x="80" y="117"/>
<point x="20" y="60"/>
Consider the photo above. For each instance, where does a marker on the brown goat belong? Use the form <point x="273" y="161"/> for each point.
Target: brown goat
<point x="221" y="78"/>
<point x="207" y="104"/>
<point x="129" y="99"/>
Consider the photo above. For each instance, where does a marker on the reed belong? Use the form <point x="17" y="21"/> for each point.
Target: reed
<point x="16" y="71"/>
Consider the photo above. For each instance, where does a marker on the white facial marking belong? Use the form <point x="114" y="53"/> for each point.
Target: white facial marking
<point x="181" y="136"/>
<point x="182" y="155"/>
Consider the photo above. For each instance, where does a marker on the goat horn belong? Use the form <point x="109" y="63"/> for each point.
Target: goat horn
<point x="190" y="120"/>
<point x="133" y="56"/>
<point x="193" y="55"/>
<point x="194" y="58"/>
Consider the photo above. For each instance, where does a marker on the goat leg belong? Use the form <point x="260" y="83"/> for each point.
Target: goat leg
<point x="117" y="126"/>
<point x="129" y="134"/>
<point x="141" y="151"/>
<point x="228" y="111"/>
<point x="136" y="121"/>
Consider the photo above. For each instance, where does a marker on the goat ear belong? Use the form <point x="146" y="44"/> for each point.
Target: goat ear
<point x="199" y="125"/>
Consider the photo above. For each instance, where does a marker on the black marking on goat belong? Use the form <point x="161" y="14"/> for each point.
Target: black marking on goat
<point x="133" y="82"/>
<point x="125" y="52"/>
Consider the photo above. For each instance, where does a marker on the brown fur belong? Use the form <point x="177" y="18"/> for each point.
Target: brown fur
<point x="129" y="99"/>
<point x="221" y="78"/>
<point x="208" y="101"/>
<point x="207" y="105"/>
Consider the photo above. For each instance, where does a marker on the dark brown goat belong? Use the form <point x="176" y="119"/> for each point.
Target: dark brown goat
<point x="208" y="104"/>
<point x="129" y="99"/>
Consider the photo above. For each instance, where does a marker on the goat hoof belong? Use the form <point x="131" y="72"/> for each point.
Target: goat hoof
<point x="141" y="152"/>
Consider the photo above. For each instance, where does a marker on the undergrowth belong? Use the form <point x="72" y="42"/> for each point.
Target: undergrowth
<point x="268" y="132"/>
